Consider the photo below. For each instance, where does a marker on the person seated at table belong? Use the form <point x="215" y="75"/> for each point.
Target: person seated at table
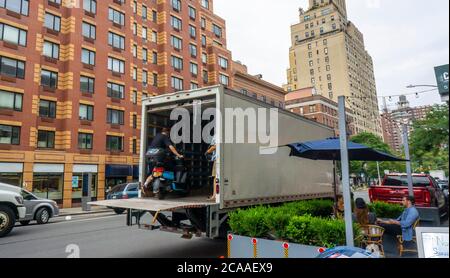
<point x="362" y="215"/>
<point x="404" y="225"/>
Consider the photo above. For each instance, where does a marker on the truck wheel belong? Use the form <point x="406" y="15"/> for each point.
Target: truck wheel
<point x="25" y="222"/>
<point x="42" y="216"/>
<point x="7" y="220"/>
<point x="119" y="211"/>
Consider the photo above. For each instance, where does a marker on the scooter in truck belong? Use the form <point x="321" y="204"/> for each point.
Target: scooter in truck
<point x="167" y="176"/>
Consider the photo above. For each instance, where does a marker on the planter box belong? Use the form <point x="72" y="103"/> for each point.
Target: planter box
<point x="240" y="247"/>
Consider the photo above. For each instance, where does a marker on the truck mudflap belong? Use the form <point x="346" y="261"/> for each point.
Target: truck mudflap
<point x="155" y="205"/>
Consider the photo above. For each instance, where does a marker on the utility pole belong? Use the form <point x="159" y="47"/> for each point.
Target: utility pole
<point x="345" y="173"/>
<point x="408" y="158"/>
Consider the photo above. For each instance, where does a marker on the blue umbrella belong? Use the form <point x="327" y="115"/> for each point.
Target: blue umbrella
<point x="330" y="149"/>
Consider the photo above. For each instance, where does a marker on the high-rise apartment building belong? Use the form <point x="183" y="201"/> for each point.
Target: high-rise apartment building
<point x="392" y="121"/>
<point x="72" y="77"/>
<point x="328" y="53"/>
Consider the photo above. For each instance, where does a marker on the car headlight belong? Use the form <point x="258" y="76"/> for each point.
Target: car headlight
<point x="19" y="200"/>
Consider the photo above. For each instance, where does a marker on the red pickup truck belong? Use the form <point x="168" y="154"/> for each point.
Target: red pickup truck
<point x="394" y="186"/>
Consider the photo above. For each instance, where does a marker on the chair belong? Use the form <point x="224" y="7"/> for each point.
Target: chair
<point x="401" y="247"/>
<point x="373" y="235"/>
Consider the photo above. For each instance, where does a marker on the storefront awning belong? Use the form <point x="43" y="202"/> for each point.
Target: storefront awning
<point x="114" y="171"/>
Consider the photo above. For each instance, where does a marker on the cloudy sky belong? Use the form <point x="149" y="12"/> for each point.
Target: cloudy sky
<point x="406" y="38"/>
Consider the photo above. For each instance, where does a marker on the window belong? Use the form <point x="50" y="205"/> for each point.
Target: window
<point x="144" y="55"/>
<point x="194" y="86"/>
<point x="10" y="100"/>
<point x="155" y="57"/>
<point x="52" y="22"/>
<point x="311" y="63"/>
<point x="192" y="31"/>
<point x="86" y="112"/>
<point x="135" y="73"/>
<point x="176" y="42"/>
<point x="114" y="143"/>
<point x="328" y="76"/>
<point x="144" y="33"/>
<point x="135" y="4"/>
<point x="13" y="35"/>
<point x="89" y="30"/>
<point x="192" y="13"/>
<point x="194" y="69"/>
<point x="116" y="65"/>
<point x="155" y="79"/>
<point x="134" y="97"/>
<point x="116" y="40"/>
<point x="51" y="50"/>
<point x="135" y="50"/>
<point x="115" y="117"/>
<point x="176" y="23"/>
<point x="144" y="78"/>
<point x="224" y="80"/>
<point x="85" y="141"/>
<point x="325" y="42"/>
<point x="135" y="28"/>
<point x="144" y="12"/>
<point x="205" y="76"/>
<point x="154" y="36"/>
<point x="17" y="6"/>
<point x="49" y="79"/>
<point x="203" y="23"/>
<point x="154" y="16"/>
<point x="326" y="50"/>
<point x="47" y="109"/>
<point x="87" y="84"/>
<point x="134" y="147"/>
<point x="134" y="120"/>
<point x="310" y="54"/>
<point x="11" y="67"/>
<point x="312" y="109"/>
<point x="176" y="5"/>
<point x="217" y="31"/>
<point x="116" y="90"/>
<point x="177" y="83"/>
<point x="46" y="139"/>
<point x="88" y="57"/>
<point x="90" y="6"/>
<point x="205" y="4"/>
<point x="116" y="17"/>
<point x="177" y="63"/>
<point x="204" y="58"/>
<point x="193" y="50"/>
<point x="223" y="63"/>
<point x="9" y="135"/>
<point x="330" y="86"/>
<point x="203" y="40"/>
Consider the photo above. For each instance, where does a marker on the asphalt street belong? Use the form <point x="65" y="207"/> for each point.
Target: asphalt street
<point x="104" y="236"/>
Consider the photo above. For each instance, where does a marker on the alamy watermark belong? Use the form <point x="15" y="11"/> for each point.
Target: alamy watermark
<point x="249" y="126"/>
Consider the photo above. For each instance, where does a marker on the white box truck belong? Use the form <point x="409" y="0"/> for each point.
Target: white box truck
<point x="248" y="173"/>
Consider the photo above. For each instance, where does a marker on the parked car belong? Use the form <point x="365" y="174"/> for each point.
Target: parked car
<point x="443" y="184"/>
<point x="123" y="191"/>
<point x="11" y="208"/>
<point x="394" y="186"/>
<point x="38" y="209"/>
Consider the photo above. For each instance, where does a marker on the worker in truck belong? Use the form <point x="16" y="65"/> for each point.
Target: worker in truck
<point x="162" y="142"/>
<point x="211" y="154"/>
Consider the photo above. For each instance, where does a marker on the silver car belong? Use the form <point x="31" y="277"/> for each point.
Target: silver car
<point x="38" y="209"/>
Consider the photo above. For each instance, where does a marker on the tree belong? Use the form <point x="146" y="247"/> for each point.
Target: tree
<point x="369" y="169"/>
<point x="429" y="141"/>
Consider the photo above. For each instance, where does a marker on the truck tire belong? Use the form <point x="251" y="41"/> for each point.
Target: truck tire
<point x="25" y="222"/>
<point x="7" y="220"/>
<point x="42" y="216"/>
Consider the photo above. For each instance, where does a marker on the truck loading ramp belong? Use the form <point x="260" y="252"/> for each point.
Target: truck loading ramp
<point x="151" y="204"/>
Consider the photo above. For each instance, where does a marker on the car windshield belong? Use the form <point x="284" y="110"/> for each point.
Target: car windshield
<point x="133" y="187"/>
<point x="403" y="181"/>
<point x="118" y="188"/>
<point x="27" y="195"/>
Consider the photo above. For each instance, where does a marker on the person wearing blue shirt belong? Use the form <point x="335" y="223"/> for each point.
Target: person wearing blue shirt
<point x="403" y="225"/>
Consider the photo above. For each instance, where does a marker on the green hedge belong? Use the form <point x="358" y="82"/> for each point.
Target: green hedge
<point x="385" y="210"/>
<point x="304" y="222"/>
<point x="315" y="231"/>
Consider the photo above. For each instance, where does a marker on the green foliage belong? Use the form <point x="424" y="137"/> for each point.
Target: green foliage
<point x="429" y="141"/>
<point x="304" y="222"/>
<point x="385" y="210"/>
<point x="316" y="231"/>
<point x="370" y="168"/>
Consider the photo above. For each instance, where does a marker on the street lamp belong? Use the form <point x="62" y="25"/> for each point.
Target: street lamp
<point x="415" y="86"/>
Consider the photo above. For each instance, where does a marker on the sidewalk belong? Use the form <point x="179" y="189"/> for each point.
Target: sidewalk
<point x="79" y="211"/>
